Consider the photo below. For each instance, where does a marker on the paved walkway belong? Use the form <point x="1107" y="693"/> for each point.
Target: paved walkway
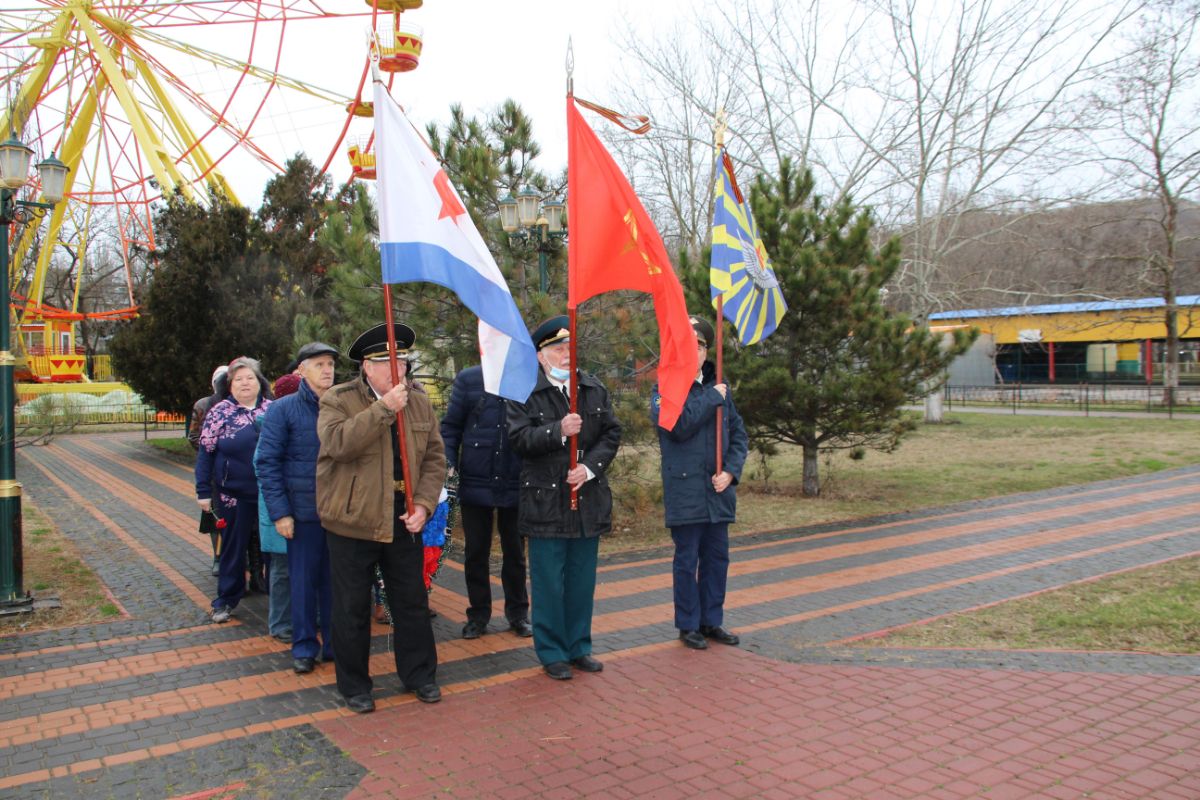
<point x="163" y="704"/>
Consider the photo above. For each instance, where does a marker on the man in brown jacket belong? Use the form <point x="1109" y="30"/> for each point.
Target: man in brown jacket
<point x="361" y="503"/>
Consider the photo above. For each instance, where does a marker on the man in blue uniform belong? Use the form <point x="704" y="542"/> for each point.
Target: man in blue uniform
<point x="699" y="500"/>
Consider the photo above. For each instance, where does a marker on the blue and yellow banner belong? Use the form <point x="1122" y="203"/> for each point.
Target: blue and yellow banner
<point x="740" y="269"/>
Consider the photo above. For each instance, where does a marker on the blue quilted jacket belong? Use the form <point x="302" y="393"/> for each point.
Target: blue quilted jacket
<point x="286" y="461"/>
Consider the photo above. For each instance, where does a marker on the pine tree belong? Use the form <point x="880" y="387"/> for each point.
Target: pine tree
<point x="213" y="298"/>
<point x="839" y="368"/>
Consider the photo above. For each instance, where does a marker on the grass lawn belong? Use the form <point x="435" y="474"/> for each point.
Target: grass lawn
<point x="1155" y="609"/>
<point x="52" y="566"/>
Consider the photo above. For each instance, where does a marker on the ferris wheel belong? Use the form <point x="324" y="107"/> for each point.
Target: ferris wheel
<point x="141" y="98"/>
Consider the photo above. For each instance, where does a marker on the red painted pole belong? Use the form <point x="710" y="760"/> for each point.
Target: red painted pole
<point x="401" y="437"/>
<point x="574" y="442"/>
<point x="1149" y="348"/>
<point x="720" y="329"/>
<point x="1051" y="345"/>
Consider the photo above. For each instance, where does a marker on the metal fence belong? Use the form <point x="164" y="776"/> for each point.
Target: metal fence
<point x="1081" y="397"/>
<point x="60" y="410"/>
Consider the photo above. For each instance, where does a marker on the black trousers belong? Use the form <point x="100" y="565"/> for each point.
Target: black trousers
<point x="477" y="530"/>
<point x="352" y="563"/>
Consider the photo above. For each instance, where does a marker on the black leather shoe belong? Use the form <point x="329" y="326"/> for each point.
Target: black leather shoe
<point x="429" y="693"/>
<point x="303" y="665"/>
<point x="361" y="704"/>
<point x="473" y="630"/>
<point x="719" y="634"/>
<point x="587" y="664"/>
<point x="559" y="670"/>
<point x="522" y="628"/>
<point x="693" y="639"/>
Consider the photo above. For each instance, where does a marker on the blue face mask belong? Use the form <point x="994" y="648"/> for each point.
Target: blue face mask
<point x="559" y="374"/>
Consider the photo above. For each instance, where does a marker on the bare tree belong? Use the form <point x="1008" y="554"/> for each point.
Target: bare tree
<point x="925" y="112"/>
<point x="1147" y="135"/>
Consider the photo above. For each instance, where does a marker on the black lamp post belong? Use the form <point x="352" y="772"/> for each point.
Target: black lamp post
<point x="543" y="231"/>
<point x="14" y="174"/>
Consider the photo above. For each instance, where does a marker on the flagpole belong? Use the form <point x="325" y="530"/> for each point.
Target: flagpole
<point x="720" y="326"/>
<point x="573" y="457"/>
<point x="574" y="440"/>
<point x="720" y="329"/>
<point x="401" y="437"/>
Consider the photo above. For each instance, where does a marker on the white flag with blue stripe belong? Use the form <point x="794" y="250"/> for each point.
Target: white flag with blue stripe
<point x="426" y="234"/>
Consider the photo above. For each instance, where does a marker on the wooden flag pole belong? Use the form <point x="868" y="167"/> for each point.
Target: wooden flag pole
<point x="401" y="437"/>
<point x="573" y="442"/>
<point x="720" y="330"/>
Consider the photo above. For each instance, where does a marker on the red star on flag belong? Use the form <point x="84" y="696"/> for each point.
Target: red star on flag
<point x="450" y="205"/>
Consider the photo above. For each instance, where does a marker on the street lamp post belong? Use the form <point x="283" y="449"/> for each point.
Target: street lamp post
<point x="543" y="231"/>
<point x="14" y="173"/>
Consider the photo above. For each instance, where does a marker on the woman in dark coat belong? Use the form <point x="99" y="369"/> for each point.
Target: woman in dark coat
<point x="225" y="479"/>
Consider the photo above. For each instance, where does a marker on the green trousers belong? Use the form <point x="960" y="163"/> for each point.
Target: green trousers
<point x="562" y="577"/>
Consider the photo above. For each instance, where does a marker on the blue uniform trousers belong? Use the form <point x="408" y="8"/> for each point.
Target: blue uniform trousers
<point x="311" y="590"/>
<point x="240" y="521"/>
<point x="700" y="569"/>
<point x="562" y="576"/>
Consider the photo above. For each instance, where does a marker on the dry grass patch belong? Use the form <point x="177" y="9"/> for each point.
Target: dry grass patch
<point x="53" y="567"/>
<point x="1155" y="609"/>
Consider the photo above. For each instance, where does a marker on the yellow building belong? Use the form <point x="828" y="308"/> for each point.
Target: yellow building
<point x="1070" y="342"/>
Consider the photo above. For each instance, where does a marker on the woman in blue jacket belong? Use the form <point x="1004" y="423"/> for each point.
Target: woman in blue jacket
<point x="225" y="462"/>
<point x="699" y="501"/>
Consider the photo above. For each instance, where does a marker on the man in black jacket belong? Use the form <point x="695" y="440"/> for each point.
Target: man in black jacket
<point x="563" y="543"/>
<point x="475" y="432"/>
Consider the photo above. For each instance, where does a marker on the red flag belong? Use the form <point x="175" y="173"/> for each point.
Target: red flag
<point x="614" y="245"/>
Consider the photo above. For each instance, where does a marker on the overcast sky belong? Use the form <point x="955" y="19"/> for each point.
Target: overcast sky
<point x="476" y="52"/>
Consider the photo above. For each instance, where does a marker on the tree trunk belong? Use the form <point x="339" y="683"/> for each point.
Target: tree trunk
<point x="1170" y="378"/>
<point x="812" y="480"/>
<point x="934" y="410"/>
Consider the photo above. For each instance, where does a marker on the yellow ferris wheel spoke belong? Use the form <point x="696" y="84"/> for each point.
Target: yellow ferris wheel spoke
<point x="32" y="86"/>
<point x="161" y="165"/>
<point x="197" y="155"/>
<point x="72" y="152"/>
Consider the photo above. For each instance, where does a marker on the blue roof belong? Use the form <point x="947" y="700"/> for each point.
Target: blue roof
<point x="1064" y="308"/>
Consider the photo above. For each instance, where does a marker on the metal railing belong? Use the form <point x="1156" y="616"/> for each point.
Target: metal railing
<point x="1081" y="397"/>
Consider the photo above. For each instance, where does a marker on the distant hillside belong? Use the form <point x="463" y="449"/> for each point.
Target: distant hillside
<point x="1079" y="253"/>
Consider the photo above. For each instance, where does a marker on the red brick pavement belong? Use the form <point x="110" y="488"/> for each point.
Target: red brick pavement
<point x="787" y="715"/>
<point x="666" y="722"/>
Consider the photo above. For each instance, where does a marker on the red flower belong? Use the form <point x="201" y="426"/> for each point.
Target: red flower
<point x="221" y="523"/>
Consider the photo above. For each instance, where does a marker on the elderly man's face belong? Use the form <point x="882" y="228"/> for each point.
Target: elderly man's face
<point x="379" y="374"/>
<point x="555" y="355"/>
<point x="317" y="372"/>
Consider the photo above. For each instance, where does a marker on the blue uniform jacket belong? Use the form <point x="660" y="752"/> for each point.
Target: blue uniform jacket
<point x="475" y="431"/>
<point x="287" y="457"/>
<point x="689" y="455"/>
